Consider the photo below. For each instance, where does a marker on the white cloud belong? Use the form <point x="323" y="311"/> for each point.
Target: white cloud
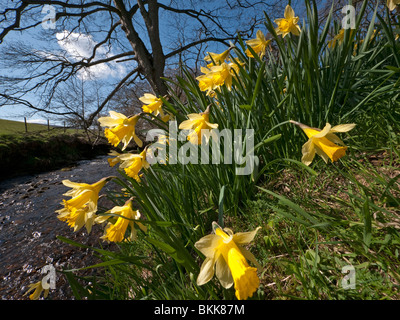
<point x="38" y="121"/>
<point x="79" y="46"/>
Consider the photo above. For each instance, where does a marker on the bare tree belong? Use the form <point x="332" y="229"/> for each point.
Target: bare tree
<point x="139" y="35"/>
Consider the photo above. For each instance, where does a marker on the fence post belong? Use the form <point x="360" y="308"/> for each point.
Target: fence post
<point x="26" y="125"/>
<point x="48" y="125"/>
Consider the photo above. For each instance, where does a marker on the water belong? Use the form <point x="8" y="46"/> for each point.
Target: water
<point x="29" y="226"/>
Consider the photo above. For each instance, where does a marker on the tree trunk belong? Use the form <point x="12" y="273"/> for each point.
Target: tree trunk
<point x="150" y="65"/>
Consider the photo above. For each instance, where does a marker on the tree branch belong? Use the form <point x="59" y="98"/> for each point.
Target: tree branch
<point x="195" y="43"/>
<point x="111" y="94"/>
<point x="24" y="102"/>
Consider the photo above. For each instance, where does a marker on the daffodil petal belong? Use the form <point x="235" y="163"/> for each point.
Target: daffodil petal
<point x="249" y="256"/>
<point x="116" y="115"/>
<point x="245" y="237"/>
<point x="223" y="273"/>
<point x="71" y="184"/>
<point x="137" y="140"/>
<point x="334" y="138"/>
<point x="207" y="244"/>
<point x="343" y="127"/>
<point x="206" y="271"/>
<point x="323" y="132"/>
<point x="308" y="151"/>
<point x="109" y="122"/>
<point x="212" y="125"/>
<point x="322" y="154"/>
<point x="289" y="12"/>
<point x="194" y="116"/>
<point x="186" y="125"/>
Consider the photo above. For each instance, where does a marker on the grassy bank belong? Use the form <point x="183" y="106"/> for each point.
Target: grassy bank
<point x="40" y="149"/>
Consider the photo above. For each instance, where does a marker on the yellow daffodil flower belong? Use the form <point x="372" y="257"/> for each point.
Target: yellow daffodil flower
<point x="121" y="129"/>
<point x="167" y="117"/>
<point x="288" y="24"/>
<point x="216" y="76"/>
<point x="206" y="83"/>
<point x="259" y="45"/>
<point x="198" y="122"/>
<point x="338" y="38"/>
<point x="38" y="287"/>
<point x="216" y="58"/>
<point x="152" y="104"/>
<point x="133" y="163"/>
<point x="81" y="209"/>
<point x="392" y="4"/>
<point x="115" y="232"/>
<point x="113" y="161"/>
<point x="226" y="257"/>
<point x="323" y="142"/>
<point x="222" y="75"/>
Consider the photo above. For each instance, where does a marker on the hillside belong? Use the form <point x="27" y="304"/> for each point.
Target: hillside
<point x="41" y="149"/>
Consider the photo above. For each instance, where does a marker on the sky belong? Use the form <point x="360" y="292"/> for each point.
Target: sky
<point x="80" y="44"/>
<point x="77" y="45"/>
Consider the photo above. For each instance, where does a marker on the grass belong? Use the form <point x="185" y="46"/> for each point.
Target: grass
<point x="10" y="127"/>
<point x="355" y="223"/>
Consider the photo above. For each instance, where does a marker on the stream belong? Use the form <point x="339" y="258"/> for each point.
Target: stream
<point x="29" y="226"/>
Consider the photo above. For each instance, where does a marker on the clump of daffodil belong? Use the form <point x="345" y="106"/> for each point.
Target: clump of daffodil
<point x="38" y="289"/>
<point x="133" y="163"/>
<point x="198" y="122"/>
<point x="206" y="82"/>
<point x="339" y="38"/>
<point x="115" y="232"/>
<point x="81" y="209"/>
<point x="288" y="24"/>
<point x="113" y="161"/>
<point x="217" y="76"/>
<point x="392" y="4"/>
<point x="323" y="142"/>
<point x="259" y="45"/>
<point x="152" y="104"/>
<point x="216" y="58"/>
<point x="120" y="129"/>
<point x="227" y="259"/>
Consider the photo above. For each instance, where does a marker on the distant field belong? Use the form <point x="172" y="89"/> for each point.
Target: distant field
<point x="16" y="127"/>
<point x="10" y="127"/>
